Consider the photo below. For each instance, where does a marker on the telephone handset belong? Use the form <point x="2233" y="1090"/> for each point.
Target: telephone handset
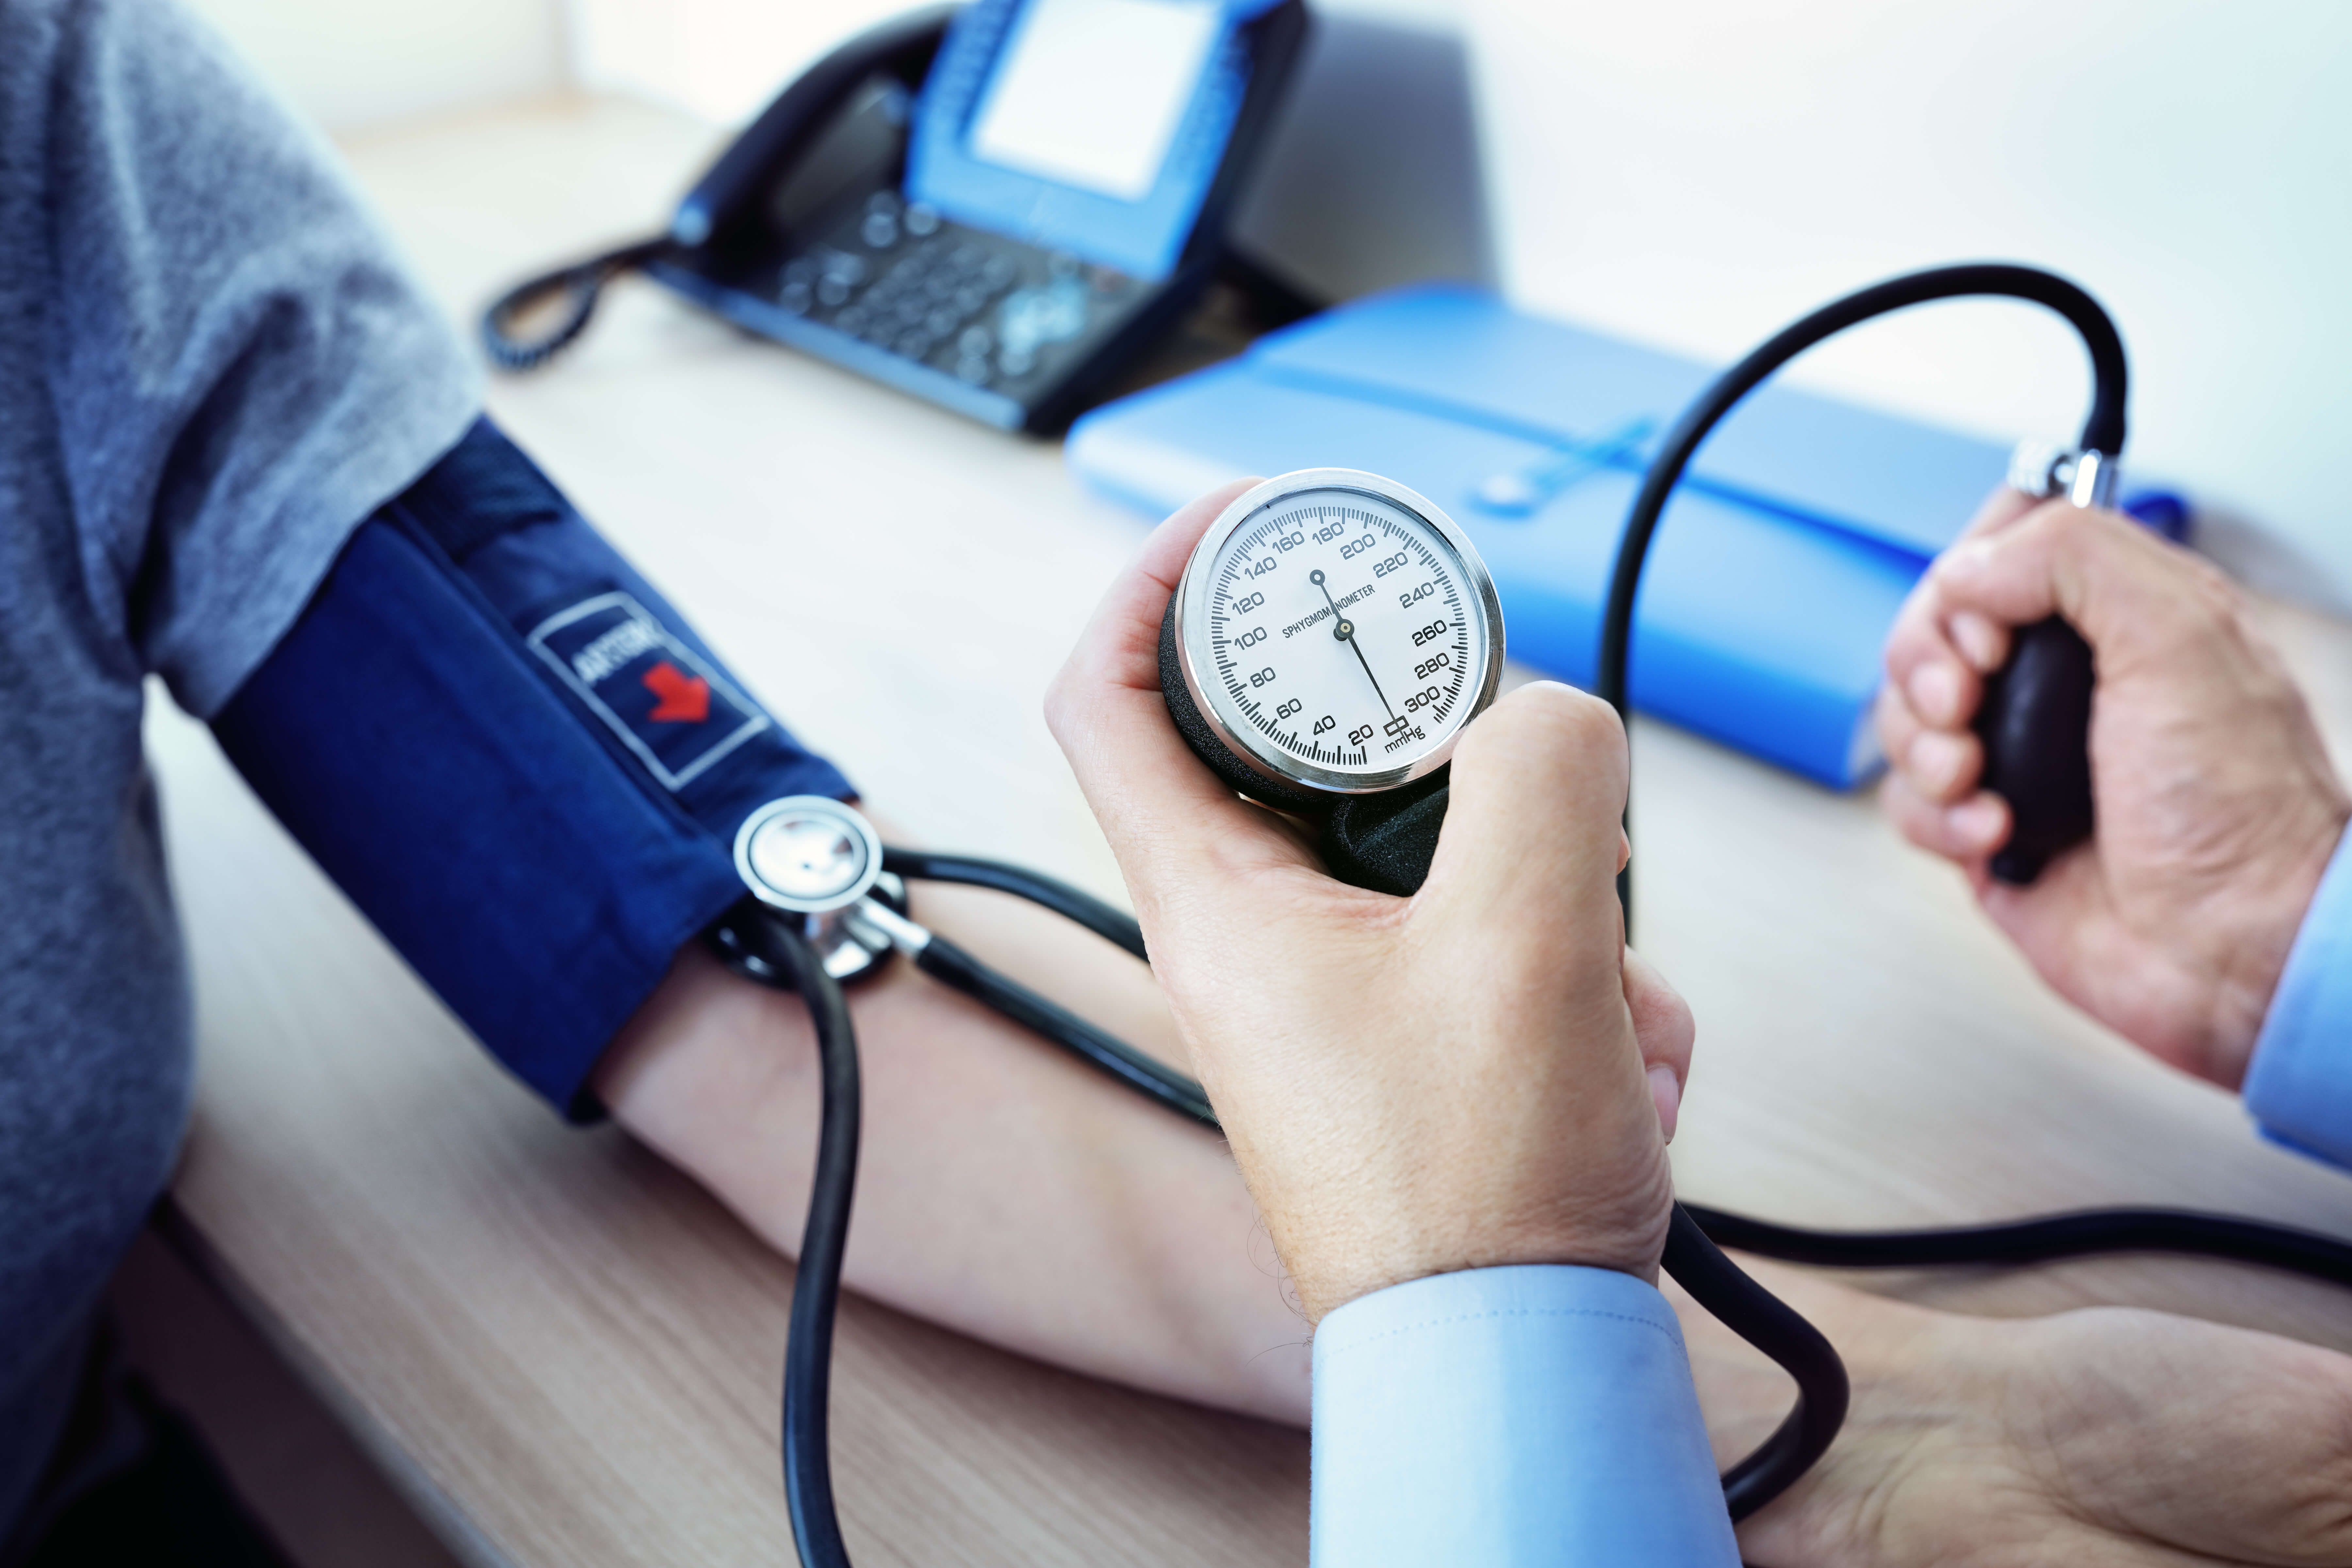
<point x="995" y="207"/>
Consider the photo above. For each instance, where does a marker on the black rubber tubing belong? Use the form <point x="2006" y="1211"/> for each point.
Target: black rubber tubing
<point x="1106" y="920"/>
<point x="2103" y="430"/>
<point x="1821" y="1382"/>
<point x="816" y="1281"/>
<point x="2084" y="1233"/>
<point x="1714" y="1281"/>
<point x="951" y="965"/>
<point x="1692" y="1256"/>
<point x="1694" y="1235"/>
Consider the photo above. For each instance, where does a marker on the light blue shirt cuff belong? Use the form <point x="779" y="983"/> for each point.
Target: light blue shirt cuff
<point x="2299" y="1085"/>
<point x="1512" y="1418"/>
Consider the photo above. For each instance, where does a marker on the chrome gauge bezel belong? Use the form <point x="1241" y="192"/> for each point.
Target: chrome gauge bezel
<point x="1214" y="706"/>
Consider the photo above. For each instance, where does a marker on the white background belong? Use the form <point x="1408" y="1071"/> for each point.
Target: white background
<point x="354" y="63"/>
<point x="1697" y="173"/>
<point x="1694" y="172"/>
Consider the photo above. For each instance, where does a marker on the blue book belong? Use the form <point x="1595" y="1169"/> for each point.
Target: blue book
<point x="1774" y="576"/>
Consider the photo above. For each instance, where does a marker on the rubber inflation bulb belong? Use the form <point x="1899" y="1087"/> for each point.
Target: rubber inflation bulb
<point x="2035" y="722"/>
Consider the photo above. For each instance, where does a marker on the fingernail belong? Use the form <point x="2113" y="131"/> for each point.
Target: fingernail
<point x="1667" y="1096"/>
<point x="1935" y="760"/>
<point x="1975" y="821"/>
<point x="1979" y="640"/>
<point x="1935" y="689"/>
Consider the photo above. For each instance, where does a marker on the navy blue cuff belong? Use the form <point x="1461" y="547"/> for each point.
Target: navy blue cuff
<point x="515" y="757"/>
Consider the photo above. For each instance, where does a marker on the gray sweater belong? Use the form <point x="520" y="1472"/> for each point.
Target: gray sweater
<point x="210" y="370"/>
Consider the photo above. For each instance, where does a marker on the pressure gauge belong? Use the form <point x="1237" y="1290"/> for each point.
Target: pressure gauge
<point x="1332" y="635"/>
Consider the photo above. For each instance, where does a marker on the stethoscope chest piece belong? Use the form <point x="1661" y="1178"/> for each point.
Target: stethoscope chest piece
<point x="808" y="854"/>
<point x="819" y="864"/>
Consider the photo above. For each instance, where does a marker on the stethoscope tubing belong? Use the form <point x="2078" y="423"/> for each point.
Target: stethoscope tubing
<point x="1695" y="1238"/>
<point x="1697" y="1235"/>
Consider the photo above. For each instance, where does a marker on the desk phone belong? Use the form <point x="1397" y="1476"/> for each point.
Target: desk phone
<point x="995" y="207"/>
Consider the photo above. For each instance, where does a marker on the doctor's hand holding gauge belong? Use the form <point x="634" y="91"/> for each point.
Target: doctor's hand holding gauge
<point x="1333" y="1000"/>
<point x="1491" y="1077"/>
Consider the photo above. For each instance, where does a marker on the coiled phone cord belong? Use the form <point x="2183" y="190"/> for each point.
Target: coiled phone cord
<point x="579" y="285"/>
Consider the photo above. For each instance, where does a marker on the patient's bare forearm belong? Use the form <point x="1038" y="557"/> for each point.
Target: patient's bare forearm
<point x="1004" y="1189"/>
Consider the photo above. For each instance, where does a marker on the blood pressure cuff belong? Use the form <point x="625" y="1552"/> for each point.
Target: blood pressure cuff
<point x="515" y="757"/>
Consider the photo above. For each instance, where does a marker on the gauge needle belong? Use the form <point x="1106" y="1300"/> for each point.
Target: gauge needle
<point x="1345" y="630"/>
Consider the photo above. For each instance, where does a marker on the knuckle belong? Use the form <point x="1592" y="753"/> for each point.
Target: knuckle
<point x="2063" y="518"/>
<point x="1677" y="1026"/>
<point x="1912" y="637"/>
<point x="1906" y="810"/>
<point x="1576" y="717"/>
<point x="2055" y="526"/>
<point x="1557" y="722"/>
<point x="2215" y="597"/>
<point x="2201" y="610"/>
<point x="2103" y="540"/>
<point x="1896" y="723"/>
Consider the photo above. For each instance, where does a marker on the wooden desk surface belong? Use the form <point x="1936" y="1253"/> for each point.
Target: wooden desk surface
<point x="572" y="1355"/>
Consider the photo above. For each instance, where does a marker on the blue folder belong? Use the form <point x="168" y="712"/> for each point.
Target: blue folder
<point x="1773" y="578"/>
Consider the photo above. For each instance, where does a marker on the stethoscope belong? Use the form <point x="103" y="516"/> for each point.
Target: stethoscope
<point x="1331" y="636"/>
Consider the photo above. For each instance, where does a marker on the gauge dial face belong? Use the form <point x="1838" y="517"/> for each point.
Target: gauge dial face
<point x="1338" y="631"/>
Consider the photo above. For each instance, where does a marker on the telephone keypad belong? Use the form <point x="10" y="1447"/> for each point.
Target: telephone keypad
<point x="988" y="311"/>
<point x="991" y="312"/>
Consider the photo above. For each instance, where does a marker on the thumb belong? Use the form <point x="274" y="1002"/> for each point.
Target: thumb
<point x="1531" y="847"/>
